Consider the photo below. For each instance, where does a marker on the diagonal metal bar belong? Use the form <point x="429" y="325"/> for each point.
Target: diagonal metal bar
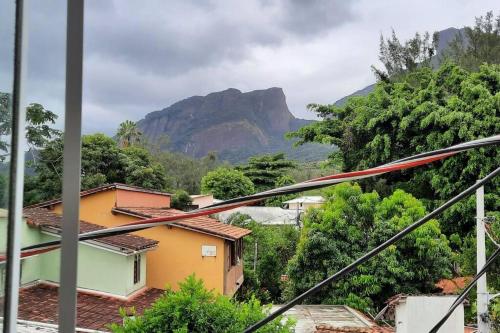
<point x="372" y="253"/>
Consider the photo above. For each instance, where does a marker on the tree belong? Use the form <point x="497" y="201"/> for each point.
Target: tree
<point x="195" y="309"/>
<point x="141" y="170"/>
<point x="103" y="162"/>
<point x="38" y="124"/>
<point x="425" y="110"/>
<point x="275" y="246"/>
<point x="399" y="59"/>
<point x="186" y="172"/>
<point x="181" y="200"/>
<point x="477" y="45"/>
<point x="226" y="183"/>
<point x="351" y="223"/>
<point x="128" y="134"/>
<point x="265" y="170"/>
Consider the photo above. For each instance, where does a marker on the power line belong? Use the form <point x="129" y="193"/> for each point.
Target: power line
<point x="465" y="292"/>
<point x="409" y="162"/>
<point x="370" y="254"/>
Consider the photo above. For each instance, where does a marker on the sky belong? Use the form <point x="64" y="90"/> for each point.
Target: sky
<point x="141" y="56"/>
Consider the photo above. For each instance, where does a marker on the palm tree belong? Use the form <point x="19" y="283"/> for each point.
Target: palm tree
<point x="128" y="134"/>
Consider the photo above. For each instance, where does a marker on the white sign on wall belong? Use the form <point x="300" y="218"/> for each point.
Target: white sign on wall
<point x="208" y="251"/>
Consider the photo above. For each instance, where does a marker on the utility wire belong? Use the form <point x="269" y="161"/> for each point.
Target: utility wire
<point x="465" y="292"/>
<point x="370" y="254"/>
<point x="410" y="162"/>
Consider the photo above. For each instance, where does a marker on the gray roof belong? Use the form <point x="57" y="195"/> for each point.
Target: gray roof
<point x="310" y="316"/>
<point x="264" y="215"/>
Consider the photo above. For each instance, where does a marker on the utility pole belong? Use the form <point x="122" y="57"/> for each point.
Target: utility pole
<point x="483" y="325"/>
<point x="255" y="257"/>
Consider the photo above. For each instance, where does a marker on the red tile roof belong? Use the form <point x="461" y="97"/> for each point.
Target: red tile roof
<point x="101" y="189"/>
<point x="40" y="303"/>
<point x="51" y="222"/>
<point x="453" y="286"/>
<point x="201" y="224"/>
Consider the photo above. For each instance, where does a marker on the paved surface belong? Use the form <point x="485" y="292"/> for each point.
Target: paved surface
<point x="310" y="316"/>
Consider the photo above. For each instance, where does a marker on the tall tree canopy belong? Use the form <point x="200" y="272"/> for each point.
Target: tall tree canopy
<point x="265" y="170"/>
<point x="226" y="183"/>
<point x="425" y="110"/>
<point x="351" y="223"/>
<point x="128" y="134"/>
<point x="400" y="58"/>
<point x="103" y="162"/>
<point x="39" y="122"/>
<point x="477" y="45"/>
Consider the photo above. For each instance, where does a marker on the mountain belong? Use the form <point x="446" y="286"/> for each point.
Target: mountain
<point x="445" y="38"/>
<point x="234" y="124"/>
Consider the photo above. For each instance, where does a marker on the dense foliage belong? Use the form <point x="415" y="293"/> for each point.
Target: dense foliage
<point x="423" y="111"/>
<point x="226" y="183"/>
<point x="185" y="171"/>
<point x="265" y="170"/>
<point x="266" y="252"/>
<point x="103" y="162"/>
<point x="181" y="200"/>
<point x="477" y="45"/>
<point x="351" y="223"/>
<point x="194" y="309"/>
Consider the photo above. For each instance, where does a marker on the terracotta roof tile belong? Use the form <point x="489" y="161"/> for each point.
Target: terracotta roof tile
<point x="202" y="223"/>
<point x="40" y="303"/>
<point x="453" y="286"/>
<point x="51" y="222"/>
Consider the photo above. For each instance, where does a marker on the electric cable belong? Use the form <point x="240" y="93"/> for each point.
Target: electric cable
<point x="370" y="254"/>
<point x="465" y="292"/>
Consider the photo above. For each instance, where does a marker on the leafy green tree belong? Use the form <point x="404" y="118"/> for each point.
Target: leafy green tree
<point x="226" y="183"/>
<point x="103" y="162"/>
<point x="477" y="45"/>
<point x="128" y="134"/>
<point x="399" y="59"/>
<point x="38" y="123"/>
<point x="265" y="170"/>
<point x="275" y="246"/>
<point x="425" y="110"/>
<point x="181" y="200"/>
<point x="186" y="172"/>
<point x="141" y="170"/>
<point x="194" y="309"/>
<point x="351" y="223"/>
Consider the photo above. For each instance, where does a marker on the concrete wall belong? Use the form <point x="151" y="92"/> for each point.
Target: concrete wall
<point x="304" y="206"/>
<point x="126" y="198"/>
<point x="417" y="314"/>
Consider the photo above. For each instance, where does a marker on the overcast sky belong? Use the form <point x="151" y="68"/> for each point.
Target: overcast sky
<point x="143" y="55"/>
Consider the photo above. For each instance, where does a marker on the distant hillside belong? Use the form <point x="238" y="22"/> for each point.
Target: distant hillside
<point x="445" y="37"/>
<point x="236" y="125"/>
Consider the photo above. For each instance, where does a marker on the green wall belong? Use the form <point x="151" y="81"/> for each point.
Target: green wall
<point x="98" y="269"/>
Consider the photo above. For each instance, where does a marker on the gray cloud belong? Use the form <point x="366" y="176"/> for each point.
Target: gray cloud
<point x="142" y="56"/>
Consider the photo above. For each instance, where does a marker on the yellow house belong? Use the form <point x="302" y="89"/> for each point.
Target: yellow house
<point x="204" y="246"/>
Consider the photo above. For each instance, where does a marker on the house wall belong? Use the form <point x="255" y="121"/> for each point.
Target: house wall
<point x="305" y="206"/>
<point x="98" y="269"/>
<point x="178" y="254"/>
<point x="125" y="198"/>
<point x="418" y="314"/>
<point x="203" y="201"/>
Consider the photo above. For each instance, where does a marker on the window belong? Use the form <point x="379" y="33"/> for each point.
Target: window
<point x="137" y="268"/>
<point x="236" y="251"/>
